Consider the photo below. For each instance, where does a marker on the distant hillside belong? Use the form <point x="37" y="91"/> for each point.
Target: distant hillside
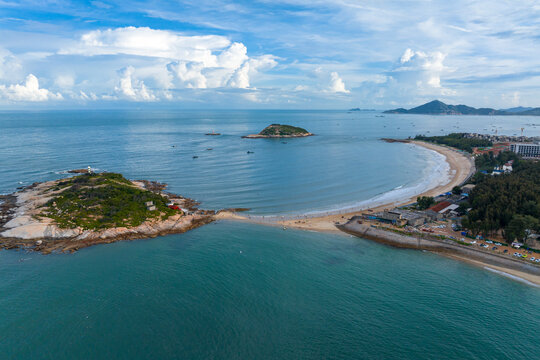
<point x="437" y="107"/>
<point x="535" y="111"/>
<point x="517" y="109"/>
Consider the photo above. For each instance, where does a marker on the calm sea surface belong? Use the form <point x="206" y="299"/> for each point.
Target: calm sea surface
<point x="241" y="291"/>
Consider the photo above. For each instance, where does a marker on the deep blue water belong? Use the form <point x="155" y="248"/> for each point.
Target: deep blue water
<point x="242" y="291"/>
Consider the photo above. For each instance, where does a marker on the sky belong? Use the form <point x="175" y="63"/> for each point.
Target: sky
<point x="268" y="54"/>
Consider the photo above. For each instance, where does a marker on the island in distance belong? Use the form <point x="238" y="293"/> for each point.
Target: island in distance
<point x="437" y="107"/>
<point x="279" y="131"/>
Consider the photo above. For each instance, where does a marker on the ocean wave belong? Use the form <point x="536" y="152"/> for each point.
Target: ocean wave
<point x="513" y="277"/>
<point x="436" y="173"/>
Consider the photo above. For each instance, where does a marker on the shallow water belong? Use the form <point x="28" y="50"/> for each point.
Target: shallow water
<point x="237" y="291"/>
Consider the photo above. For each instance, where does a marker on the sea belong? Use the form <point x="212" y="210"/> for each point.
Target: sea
<point x="233" y="290"/>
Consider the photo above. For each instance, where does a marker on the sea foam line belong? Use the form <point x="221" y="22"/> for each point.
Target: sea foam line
<point x="513" y="277"/>
<point x="436" y="173"/>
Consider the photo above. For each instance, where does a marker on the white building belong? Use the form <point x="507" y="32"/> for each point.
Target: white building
<point x="527" y="150"/>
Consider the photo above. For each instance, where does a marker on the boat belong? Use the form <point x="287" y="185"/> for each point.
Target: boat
<point x="212" y="133"/>
<point x="195" y="157"/>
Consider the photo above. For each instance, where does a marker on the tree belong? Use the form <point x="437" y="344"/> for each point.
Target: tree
<point x="456" y="190"/>
<point x="520" y="227"/>
<point x="425" y="202"/>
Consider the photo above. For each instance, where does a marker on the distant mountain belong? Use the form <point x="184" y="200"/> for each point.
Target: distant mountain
<point x="534" y="111"/>
<point x="437" y="107"/>
<point x="517" y="109"/>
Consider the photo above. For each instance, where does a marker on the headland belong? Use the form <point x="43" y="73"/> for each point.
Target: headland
<point x="69" y="214"/>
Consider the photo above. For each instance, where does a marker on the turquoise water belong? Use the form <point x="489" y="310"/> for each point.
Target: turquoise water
<point x="242" y="291"/>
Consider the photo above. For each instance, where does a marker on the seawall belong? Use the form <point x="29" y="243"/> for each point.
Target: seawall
<point x="442" y="246"/>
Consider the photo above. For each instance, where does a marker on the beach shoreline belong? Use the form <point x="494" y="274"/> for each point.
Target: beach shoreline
<point x="461" y="167"/>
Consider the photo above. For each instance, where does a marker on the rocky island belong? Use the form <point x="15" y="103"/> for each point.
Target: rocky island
<point x="69" y="214"/>
<point x="279" y="131"/>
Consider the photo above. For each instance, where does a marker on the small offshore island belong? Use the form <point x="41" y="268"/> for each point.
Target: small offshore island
<point x="93" y="208"/>
<point x="279" y="131"/>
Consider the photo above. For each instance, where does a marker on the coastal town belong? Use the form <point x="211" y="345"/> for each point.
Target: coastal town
<point x="441" y="222"/>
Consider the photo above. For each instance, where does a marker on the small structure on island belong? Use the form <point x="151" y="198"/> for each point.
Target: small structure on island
<point x="150" y="206"/>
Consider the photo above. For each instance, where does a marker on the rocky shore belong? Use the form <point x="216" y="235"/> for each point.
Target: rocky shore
<point x="24" y="225"/>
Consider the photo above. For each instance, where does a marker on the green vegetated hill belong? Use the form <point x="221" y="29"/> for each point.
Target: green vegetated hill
<point x="101" y="201"/>
<point x="283" y="130"/>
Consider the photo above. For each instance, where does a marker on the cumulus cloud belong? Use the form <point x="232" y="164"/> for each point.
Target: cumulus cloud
<point x="336" y="84"/>
<point x="240" y="78"/>
<point x="423" y="70"/>
<point x="193" y="62"/>
<point x="131" y="88"/>
<point x="29" y="91"/>
<point x="143" y="41"/>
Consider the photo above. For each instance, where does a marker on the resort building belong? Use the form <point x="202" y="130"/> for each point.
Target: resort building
<point x="527" y="150"/>
<point x="496" y="149"/>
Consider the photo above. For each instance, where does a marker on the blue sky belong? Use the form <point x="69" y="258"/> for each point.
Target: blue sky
<point x="318" y="54"/>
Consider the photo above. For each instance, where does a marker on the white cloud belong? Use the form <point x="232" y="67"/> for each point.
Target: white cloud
<point x="131" y="88"/>
<point x="174" y="60"/>
<point x="189" y="73"/>
<point x="29" y="91"/>
<point x="423" y="69"/>
<point x="336" y="84"/>
<point x="143" y="41"/>
<point x="10" y="66"/>
<point x="64" y="81"/>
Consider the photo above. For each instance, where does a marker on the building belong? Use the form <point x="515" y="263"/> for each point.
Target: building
<point x="412" y="218"/>
<point x="526" y="150"/>
<point x="466" y="189"/>
<point x="496" y="149"/>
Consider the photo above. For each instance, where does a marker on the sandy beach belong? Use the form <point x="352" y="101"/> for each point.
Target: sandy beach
<point x="461" y="168"/>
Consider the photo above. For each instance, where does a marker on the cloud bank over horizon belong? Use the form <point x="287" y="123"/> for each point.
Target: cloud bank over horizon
<point x="261" y="54"/>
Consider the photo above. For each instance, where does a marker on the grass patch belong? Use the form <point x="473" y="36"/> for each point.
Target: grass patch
<point x="101" y="201"/>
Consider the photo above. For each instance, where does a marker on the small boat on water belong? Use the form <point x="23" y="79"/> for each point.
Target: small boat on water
<point x="250" y="152"/>
<point x="195" y="157"/>
<point x="212" y="133"/>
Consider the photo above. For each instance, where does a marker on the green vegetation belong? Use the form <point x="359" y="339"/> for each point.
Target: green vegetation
<point x="101" y="201"/>
<point x="487" y="162"/>
<point x="456" y="190"/>
<point x="456" y="140"/>
<point x="424" y="202"/>
<point x="508" y="202"/>
<point x="283" y="130"/>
